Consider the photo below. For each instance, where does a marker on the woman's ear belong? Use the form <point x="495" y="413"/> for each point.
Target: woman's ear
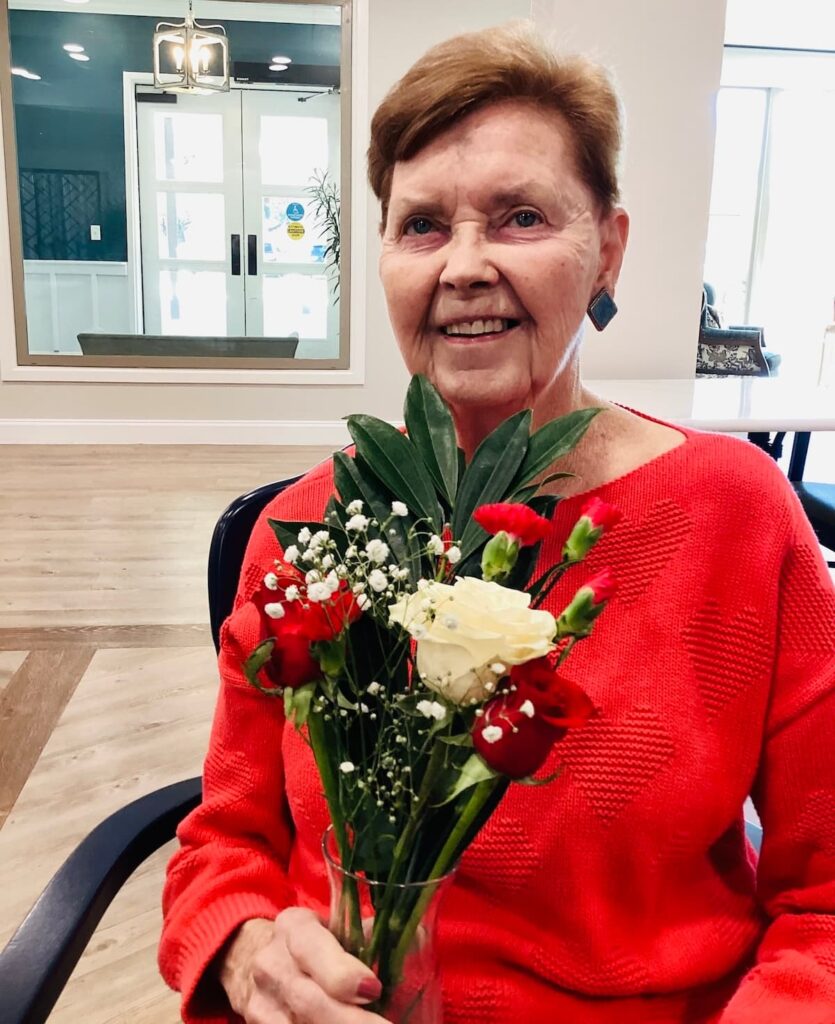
<point x="614" y="232"/>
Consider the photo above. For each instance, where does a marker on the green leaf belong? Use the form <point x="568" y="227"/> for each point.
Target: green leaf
<point x="353" y="478"/>
<point x="488" y="477"/>
<point x="531" y="781"/>
<point x="255" y="662"/>
<point x="461" y="740"/>
<point x="432" y="432"/>
<point x="302" y="698"/>
<point x="470" y="774"/>
<point x="395" y="462"/>
<point x="287" y="532"/>
<point x="551" y="442"/>
<point x="525" y="494"/>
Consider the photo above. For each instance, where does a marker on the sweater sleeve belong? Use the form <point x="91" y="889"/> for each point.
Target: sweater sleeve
<point x="793" y="978"/>
<point x="235" y="847"/>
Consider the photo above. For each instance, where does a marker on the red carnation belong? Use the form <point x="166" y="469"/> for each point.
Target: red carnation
<point x="603" y="516"/>
<point x="602" y="586"/>
<point x="589" y="601"/>
<point x="519" y="726"/>
<point x="522" y="524"/>
<point x="596" y="517"/>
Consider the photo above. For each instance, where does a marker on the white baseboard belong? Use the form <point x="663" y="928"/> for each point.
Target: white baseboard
<point x="77" y="431"/>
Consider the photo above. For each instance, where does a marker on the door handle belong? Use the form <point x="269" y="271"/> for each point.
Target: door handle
<point x="252" y="255"/>
<point x="236" y="255"/>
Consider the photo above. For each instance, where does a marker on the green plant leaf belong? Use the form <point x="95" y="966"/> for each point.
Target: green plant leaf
<point x="255" y="662"/>
<point x="287" y="532"/>
<point x="354" y="478"/>
<point x="531" y="781"/>
<point x="488" y="477"/>
<point x="300" y="702"/>
<point x="473" y="771"/>
<point x="432" y="432"/>
<point x="525" y="494"/>
<point x="396" y="463"/>
<point x="551" y="442"/>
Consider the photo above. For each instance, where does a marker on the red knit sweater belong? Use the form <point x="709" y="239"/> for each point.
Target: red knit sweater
<point x="624" y="892"/>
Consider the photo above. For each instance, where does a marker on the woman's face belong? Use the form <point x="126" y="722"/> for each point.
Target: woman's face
<point x="492" y="249"/>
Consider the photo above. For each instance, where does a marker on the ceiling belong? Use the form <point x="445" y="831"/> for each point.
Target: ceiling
<point x="204" y="10"/>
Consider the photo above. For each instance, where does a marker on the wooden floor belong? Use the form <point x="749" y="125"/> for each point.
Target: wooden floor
<point x="107" y="673"/>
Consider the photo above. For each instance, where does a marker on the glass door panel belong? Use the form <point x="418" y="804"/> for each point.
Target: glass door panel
<point x="192" y="226"/>
<point x="191" y="215"/>
<point x="192" y="302"/>
<point x="296" y="304"/>
<point x="188" y="147"/>
<point x="288" y="145"/>
<point x="291" y="231"/>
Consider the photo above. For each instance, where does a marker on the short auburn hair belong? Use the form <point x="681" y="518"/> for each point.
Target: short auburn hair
<point x="474" y="70"/>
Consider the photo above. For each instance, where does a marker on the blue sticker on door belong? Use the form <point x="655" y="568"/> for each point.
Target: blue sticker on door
<point x="295" y="211"/>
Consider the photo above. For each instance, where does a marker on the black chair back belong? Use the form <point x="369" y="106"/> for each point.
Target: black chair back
<point x="226" y="552"/>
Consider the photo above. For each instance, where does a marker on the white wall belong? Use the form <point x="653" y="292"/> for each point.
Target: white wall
<point x="804" y="24"/>
<point x="667" y="57"/>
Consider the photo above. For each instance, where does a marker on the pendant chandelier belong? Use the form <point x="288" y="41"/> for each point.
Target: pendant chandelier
<point x="190" y="57"/>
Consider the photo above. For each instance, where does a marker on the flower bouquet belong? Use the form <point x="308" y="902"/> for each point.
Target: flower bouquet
<point x="406" y="636"/>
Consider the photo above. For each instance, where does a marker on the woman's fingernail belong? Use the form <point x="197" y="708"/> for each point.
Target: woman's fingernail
<point x="369" y="988"/>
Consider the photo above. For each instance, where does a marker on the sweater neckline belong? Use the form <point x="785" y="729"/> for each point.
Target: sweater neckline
<point x="658" y="461"/>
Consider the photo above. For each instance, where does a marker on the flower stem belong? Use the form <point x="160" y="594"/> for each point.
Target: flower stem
<point x="318" y="741"/>
<point x="402" y="853"/>
<point x="449" y="854"/>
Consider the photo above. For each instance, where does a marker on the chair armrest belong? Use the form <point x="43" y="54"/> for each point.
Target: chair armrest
<point x="738" y="352"/>
<point x="41" y="955"/>
<point x="759" y="331"/>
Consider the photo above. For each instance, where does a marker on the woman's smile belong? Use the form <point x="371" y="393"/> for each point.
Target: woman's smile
<point x="478" y="330"/>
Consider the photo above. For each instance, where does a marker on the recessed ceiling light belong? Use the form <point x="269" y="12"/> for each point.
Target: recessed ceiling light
<point x="79" y="56"/>
<point x="278" y="67"/>
<point x="73" y="48"/>
<point x="24" y="73"/>
<point x="282" y="60"/>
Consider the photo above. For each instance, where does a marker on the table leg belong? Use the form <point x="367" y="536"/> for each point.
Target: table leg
<point x="800" y="449"/>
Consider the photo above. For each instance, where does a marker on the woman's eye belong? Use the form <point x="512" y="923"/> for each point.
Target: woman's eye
<point x="526" y="219"/>
<point x="419" y="226"/>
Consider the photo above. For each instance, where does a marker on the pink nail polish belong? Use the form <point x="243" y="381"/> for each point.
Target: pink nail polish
<point x="369" y="988"/>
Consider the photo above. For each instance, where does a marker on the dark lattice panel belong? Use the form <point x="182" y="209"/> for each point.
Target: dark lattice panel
<point x="57" y="209"/>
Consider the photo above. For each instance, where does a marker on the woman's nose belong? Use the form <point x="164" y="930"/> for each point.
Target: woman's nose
<point x="468" y="264"/>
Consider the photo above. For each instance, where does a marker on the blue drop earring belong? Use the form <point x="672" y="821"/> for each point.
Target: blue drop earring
<point x="601" y="309"/>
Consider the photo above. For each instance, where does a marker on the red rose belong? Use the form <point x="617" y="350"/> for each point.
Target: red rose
<point x="519" y="726"/>
<point x="522" y="524"/>
<point x="562" y="703"/>
<point x="296" y="624"/>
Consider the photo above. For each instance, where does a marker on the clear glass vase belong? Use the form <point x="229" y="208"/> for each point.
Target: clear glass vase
<point x="391" y="928"/>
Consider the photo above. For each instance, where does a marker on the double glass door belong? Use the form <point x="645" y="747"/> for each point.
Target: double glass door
<point x="232" y="241"/>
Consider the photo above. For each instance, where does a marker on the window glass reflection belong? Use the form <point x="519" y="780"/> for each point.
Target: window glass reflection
<point x="188" y="147"/>
<point x="296" y="304"/>
<point x="292" y="149"/>
<point x="191" y="226"/>
<point x="193" y="302"/>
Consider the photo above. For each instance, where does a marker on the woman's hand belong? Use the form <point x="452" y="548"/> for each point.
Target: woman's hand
<point x="293" y="971"/>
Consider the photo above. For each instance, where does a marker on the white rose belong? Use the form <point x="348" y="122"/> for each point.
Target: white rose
<point x="494" y="624"/>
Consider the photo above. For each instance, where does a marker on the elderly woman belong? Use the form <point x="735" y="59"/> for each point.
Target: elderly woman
<point x="626" y="891"/>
